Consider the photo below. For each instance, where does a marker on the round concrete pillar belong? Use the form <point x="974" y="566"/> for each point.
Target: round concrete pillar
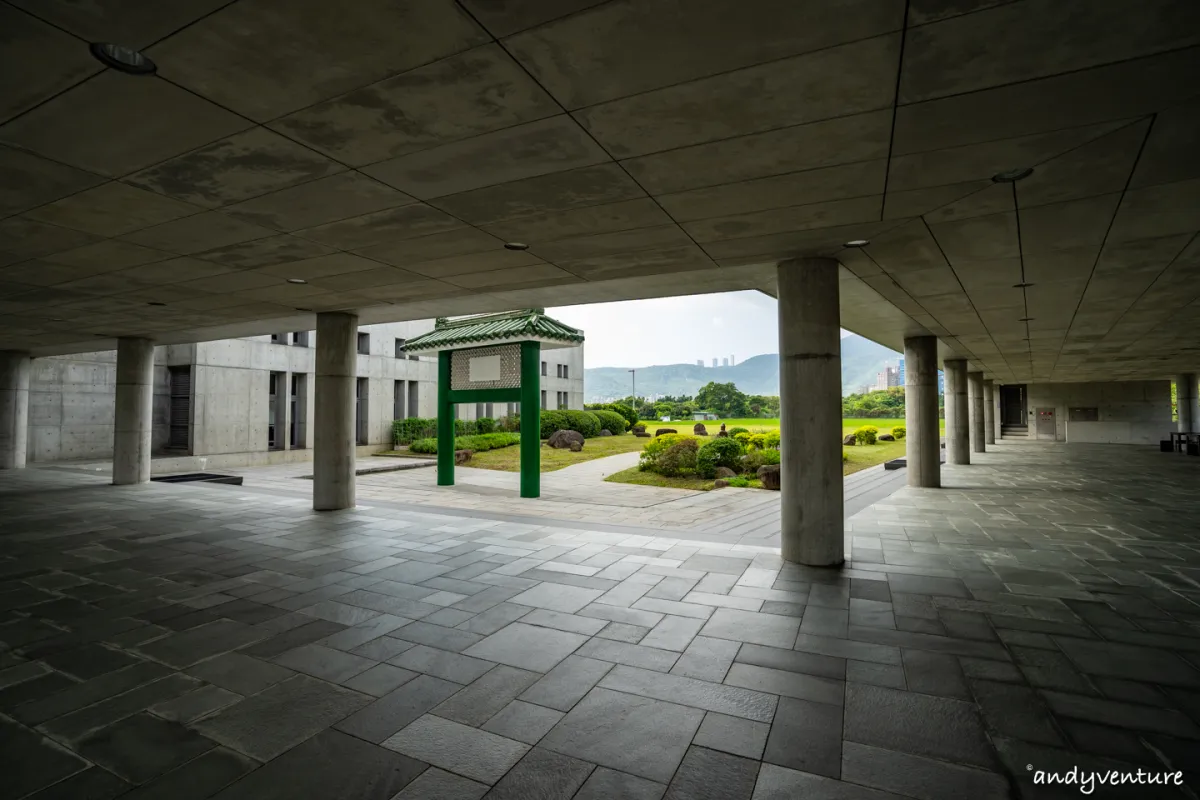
<point x="1186" y="402"/>
<point x="810" y="412"/>
<point x="989" y="412"/>
<point x="975" y="399"/>
<point x="133" y="422"/>
<point x="333" y="437"/>
<point x="923" y="439"/>
<point x="14" y="408"/>
<point x="958" y="445"/>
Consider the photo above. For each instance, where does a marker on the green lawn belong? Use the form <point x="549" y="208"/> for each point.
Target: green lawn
<point x="508" y="459"/>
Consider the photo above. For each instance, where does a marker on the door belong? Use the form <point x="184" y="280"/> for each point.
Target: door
<point x="181" y="407"/>
<point x="1012" y="405"/>
<point x="1045" y="423"/>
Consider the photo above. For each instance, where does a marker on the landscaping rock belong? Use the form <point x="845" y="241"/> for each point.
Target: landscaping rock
<point x="663" y="431"/>
<point x="561" y="440"/>
<point x="463" y="456"/>
<point x="849" y="441"/>
<point x="605" y="432"/>
<point x="720" y="483"/>
<point x="699" y="430"/>
<point x="641" y="434"/>
<point x="576" y="447"/>
<point x="769" y="475"/>
<point x="639" y="428"/>
<point x="722" y="432"/>
<point x="725" y="472"/>
<point x="886" y="437"/>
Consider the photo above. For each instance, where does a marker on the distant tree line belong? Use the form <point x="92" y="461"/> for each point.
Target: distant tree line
<point x="886" y="403"/>
<point x="723" y="399"/>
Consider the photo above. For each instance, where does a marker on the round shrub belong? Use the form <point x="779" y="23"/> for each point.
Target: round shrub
<point x="553" y="421"/>
<point x="743" y="438"/>
<point x="611" y="421"/>
<point x="678" y="459"/>
<point x="758" y="440"/>
<point x="899" y="432"/>
<point x="657" y="446"/>
<point x="720" y="452"/>
<point x="866" y="434"/>
<point x="485" y="425"/>
<point x="773" y="439"/>
<point x="736" y="431"/>
<point x="427" y="446"/>
<point x="757" y="458"/>
<point x="627" y="413"/>
<point x="737" y="482"/>
<point x="586" y="422"/>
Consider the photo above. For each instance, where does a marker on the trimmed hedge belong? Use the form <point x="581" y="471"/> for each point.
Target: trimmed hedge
<point x="479" y="443"/>
<point x="720" y="452"/>
<point x="611" y="421"/>
<point x="409" y="430"/>
<point x="627" y="413"/>
<point x="736" y="431"/>
<point x="585" y="423"/>
<point x="485" y="425"/>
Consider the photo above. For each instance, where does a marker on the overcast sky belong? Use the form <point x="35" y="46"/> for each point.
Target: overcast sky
<point x="675" y="330"/>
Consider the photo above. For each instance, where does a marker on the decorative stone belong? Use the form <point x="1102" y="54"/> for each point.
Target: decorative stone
<point x="722" y="433"/>
<point x="463" y="456"/>
<point x="886" y="437"/>
<point x="639" y="428"/>
<point x="562" y="439"/>
<point x="769" y="475"/>
<point x="849" y="441"/>
<point x="664" y="431"/>
<point x="576" y="447"/>
<point x="700" y="430"/>
<point x="641" y="434"/>
<point x="725" y="472"/>
<point x="720" y="483"/>
<point x="605" y="432"/>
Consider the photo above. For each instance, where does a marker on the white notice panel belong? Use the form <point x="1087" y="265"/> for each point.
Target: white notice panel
<point x="484" y="368"/>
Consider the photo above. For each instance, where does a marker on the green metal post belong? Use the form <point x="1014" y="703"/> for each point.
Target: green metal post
<point x="531" y="420"/>
<point x="445" y="423"/>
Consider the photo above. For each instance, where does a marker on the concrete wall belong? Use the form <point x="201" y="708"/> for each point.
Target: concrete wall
<point x="1117" y="403"/>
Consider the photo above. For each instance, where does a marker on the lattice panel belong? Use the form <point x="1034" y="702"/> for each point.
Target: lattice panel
<point x="509" y="367"/>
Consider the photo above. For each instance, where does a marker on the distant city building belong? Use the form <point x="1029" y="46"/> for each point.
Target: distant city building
<point x="714" y="361"/>
<point x="732" y="361"/>
<point x="900" y="371"/>
<point x="887" y="379"/>
<point x="724" y="362"/>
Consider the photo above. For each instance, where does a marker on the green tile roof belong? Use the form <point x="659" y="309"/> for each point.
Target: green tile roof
<point x="530" y="323"/>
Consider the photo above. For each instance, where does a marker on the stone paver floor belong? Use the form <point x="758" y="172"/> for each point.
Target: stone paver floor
<point x="1038" y="614"/>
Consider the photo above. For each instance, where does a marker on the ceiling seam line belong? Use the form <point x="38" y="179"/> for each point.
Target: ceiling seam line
<point x="887" y="172"/>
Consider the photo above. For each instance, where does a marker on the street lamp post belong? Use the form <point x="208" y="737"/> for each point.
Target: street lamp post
<point x="633" y="377"/>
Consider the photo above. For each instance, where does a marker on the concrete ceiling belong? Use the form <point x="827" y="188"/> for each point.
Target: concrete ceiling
<point x="385" y="151"/>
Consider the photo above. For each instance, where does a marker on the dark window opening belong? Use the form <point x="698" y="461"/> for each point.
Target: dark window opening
<point x="364" y="344"/>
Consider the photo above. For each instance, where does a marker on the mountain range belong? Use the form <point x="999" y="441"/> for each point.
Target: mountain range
<point x="861" y="359"/>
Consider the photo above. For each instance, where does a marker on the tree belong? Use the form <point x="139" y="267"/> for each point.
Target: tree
<point x="723" y="398"/>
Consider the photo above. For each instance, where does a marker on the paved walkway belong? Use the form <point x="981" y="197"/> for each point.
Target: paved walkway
<point x="1040" y="613"/>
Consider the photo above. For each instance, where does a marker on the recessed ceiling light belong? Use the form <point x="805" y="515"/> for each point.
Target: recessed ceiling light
<point x="155" y="303"/>
<point x="57" y="319"/>
<point x="1022" y="285"/>
<point x="857" y="243"/>
<point x="122" y="58"/>
<point x="515" y="246"/>
<point x="296" y="280"/>
<point x="305" y="310"/>
<point x="1012" y="175"/>
<point x="1025" y="319"/>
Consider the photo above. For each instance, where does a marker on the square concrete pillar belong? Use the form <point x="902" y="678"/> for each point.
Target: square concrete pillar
<point x="133" y="424"/>
<point x="958" y="445"/>
<point x="334" y="434"/>
<point x="15" y="367"/>
<point x="989" y="412"/>
<point x="976" y="405"/>
<point x="923" y="440"/>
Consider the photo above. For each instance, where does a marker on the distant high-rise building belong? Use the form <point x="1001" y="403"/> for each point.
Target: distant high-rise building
<point x="900" y="371"/>
<point x="714" y="361"/>
<point x="724" y="362"/>
<point x="699" y="362"/>
<point x="887" y="379"/>
<point x="732" y="361"/>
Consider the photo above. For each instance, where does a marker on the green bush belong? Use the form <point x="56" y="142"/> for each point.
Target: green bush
<point x="552" y="421"/>
<point x="743" y="438"/>
<point x="509" y="424"/>
<point x="659" y="445"/>
<point x="720" y="452"/>
<point x="899" y="432"/>
<point x="736" y="431"/>
<point x="757" y="458"/>
<point x="845" y="457"/>
<point x="773" y="439"/>
<point x="586" y="422"/>
<point x="866" y="434"/>
<point x="610" y="421"/>
<point x="627" y="413"/>
<point x="678" y="459"/>
<point x="758" y="440"/>
<point x="405" y="431"/>
<point x="738" y="481"/>
<point x="480" y="443"/>
<point x="485" y="425"/>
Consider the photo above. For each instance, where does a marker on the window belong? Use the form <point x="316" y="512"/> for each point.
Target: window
<point x="364" y="343"/>
<point x="558" y="370"/>
<point x="543" y="393"/>
<point x="543" y="373"/>
<point x="479" y="411"/>
<point x="562" y="400"/>
<point x="362" y="391"/>
<point x="564" y="371"/>
<point x="400" y="348"/>
<point x="489" y="411"/>
<point x="300" y="338"/>
<point x="399" y="399"/>
<point x="413" y="398"/>
<point x="180" y="410"/>
<point x="278" y="338"/>
<point x="298" y="403"/>
<point x="276" y="410"/>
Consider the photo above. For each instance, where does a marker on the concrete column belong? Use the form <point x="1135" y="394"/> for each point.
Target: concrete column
<point x="975" y="398"/>
<point x="1186" y="401"/>
<point x="14" y="408"/>
<point x="333" y="437"/>
<point x="989" y="412"/>
<point x="134" y="414"/>
<point x="958" y="446"/>
<point x="810" y="413"/>
<point x="924" y="440"/>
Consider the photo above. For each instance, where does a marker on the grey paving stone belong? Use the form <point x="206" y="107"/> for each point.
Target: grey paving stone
<point x="672" y="588"/>
<point x="790" y="684"/>
<point x="741" y="737"/>
<point x="567" y="683"/>
<point x="780" y="783"/>
<point x="771" y="630"/>
<point x="523" y="721"/>
<point x="323" y="662"/>
<point x="29" y="761"/>
<point x="142" y="747"/>
<point x="673" y="633"/>
<point x="436" y="784"/>
<point x="793" y="661"/>
<point x="442" y="664"/>
<point x="720" y="564"/>
<point x="820" y="621"/>
<point x="397" y="708"/>
<point x="628" y="616"/>
<point x="989" y="670"/>
<point x="916" y="723"/>
<point x="240" y="673"/>
<point x="376" y="600"/>
<point x="527" y="647"/>
<point x="382" y="648"/>
<point x="73" y="697"/>
<point x="711" y="775"/>
<point x="449" y="617"/>
<point x="557" y="597"/>
<point x="607" y="784"/>
<point x="1015" y="711"/>
<point x="1137" y="663"/>
<point x="24" y="671"/>
<point x="364" y="632"/>
<point x="495" y="618"/>
<point x="921" y="584"/>
<point x="78" y="724"/>
<point x="732" y="700"/>
<point x="379" y="680"/>
<point x="94" y="783"/>
<point x="679" y="609"/>
<point x="468" y="751"/>
<point x="477" y="703"/>
<point x="199" y="778"/>
<point x="877" y="674"/>
<point x="621" y="632"/>
<point x="437" y="636"/>
<point x="543" y="774"/>
<point x="330" y="765"/>
<point x="924" y="641"/>
<point x="915" y="776"/>
<point x="411" y="572"/>
<point x="935" y="673"/>
<point x="195" y="704"/>
<point x="563" y="622"/>
<point x="278" y="718"/>
<point x="639" y="735"/>
<point x="844" y="648"/>
<point x="1101" y="740"/>
<point x="706" y="659"/>
<point x="293" y="638"/>
<point x="634" y="655"/>
<point x="1121" y="715"/>
<point x="783" y="608"/>
<point x="185" y="648"/>
<point x="806" y="736"/>
<point x="50" y="683"/>
<point x="89" y="661"/>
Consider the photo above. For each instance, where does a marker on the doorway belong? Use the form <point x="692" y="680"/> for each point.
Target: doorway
<point x="1012" y="405"/>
